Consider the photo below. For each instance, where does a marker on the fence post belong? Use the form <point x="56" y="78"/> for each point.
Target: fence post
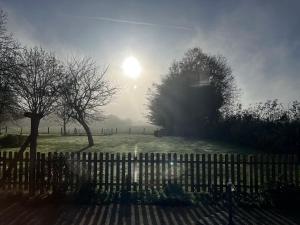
<point x="157" y="171"/>
<point x="238" y="168"/>
<point x="221" y="172"/>
<point x="112" y="159"/>
<point x="118" y="172"/>
<point x="5" y="129"/>
<point x="141" y="171"/>
<point x="48" y="130"/>
<point x="146" y="171"/>
<point x="192" y="173"/>
<point x="152" y="171"/>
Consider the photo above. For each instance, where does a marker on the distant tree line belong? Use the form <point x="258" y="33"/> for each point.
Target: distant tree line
<point x="199" y="98"/>
<point x="269" y="126"/>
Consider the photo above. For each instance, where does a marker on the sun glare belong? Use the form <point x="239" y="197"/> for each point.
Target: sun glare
<point x="131" y="67"/>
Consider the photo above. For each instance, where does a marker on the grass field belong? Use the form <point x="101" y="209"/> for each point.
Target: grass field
<point x="134" y="143"/>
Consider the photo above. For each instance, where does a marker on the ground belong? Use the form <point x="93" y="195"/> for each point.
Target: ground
<point x="34" y="212"/>
<point x="134" y="143"/>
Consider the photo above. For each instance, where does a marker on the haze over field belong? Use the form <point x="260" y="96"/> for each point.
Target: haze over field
<point x="260" y="39"/>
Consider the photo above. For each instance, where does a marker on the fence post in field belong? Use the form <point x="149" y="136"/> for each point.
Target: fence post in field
<point x="21" y="131"/>
<point x="61" y="131"/>
<point x="48" y="130"/>
<point x="116" y="130"/>
<point x="5" y="129"/>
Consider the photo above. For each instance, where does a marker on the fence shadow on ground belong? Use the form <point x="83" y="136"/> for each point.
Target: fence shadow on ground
<point x="13" y="212"/>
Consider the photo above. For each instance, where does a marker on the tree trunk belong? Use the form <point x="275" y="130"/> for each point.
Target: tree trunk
<point x="88" y="132"/>
<point x="35" y="121"/>
<point x="64" y="127"/>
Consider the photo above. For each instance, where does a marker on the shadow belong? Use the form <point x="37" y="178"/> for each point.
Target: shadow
<point x="45" y="212"/>
<point x="84" y="148"/>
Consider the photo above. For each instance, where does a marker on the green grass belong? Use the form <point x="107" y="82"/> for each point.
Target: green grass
<point x="134" y="143"/>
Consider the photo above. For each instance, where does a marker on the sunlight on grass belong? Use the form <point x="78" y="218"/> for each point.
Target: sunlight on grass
<point x="135" y="144"/>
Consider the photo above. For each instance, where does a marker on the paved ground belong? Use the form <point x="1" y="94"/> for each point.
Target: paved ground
<point x="23" y="213"/>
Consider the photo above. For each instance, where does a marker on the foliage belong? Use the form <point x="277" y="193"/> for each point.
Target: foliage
<point x="8" y="51"/>
<point x="282" y="195"/>
<point x="183" y="106"/>
<point x="12" y="141"/>
<point x="267" y="126"/>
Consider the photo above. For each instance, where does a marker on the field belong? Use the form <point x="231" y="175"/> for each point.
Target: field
<point x="134" y="143"/>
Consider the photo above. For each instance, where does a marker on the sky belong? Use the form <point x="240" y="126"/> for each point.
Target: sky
<point x="260" y="39"/>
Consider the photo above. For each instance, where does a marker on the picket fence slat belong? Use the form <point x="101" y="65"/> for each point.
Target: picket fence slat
<point x="116" y="171"/>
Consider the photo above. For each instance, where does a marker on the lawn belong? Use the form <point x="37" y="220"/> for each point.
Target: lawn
<point x="134" y="143"/>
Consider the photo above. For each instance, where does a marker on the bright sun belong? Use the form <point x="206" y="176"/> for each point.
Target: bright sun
<point x="131" y="67"/>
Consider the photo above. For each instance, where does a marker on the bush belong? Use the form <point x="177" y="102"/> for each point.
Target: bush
<point x="282" y="195"/>
<point x="12" y="141"/>
<point x="86" y="194"/>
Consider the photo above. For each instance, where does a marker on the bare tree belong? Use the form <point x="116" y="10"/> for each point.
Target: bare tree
<point x="63" y="114"/>
<point x="85" y="92"/>
<point x="36" y="83"/>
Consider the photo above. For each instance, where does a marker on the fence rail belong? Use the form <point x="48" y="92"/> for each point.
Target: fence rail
<point x="75" y="131"/>
<point x="143" y="171"/>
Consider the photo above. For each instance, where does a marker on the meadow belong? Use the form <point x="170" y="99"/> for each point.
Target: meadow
<point x="134" y="143"/>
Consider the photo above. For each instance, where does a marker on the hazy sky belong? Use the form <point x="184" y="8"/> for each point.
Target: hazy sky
<point x="260" y="39"/>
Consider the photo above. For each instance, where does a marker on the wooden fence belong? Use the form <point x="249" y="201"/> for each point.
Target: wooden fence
<point x="194" y="172"/>
<point x="75" y="131"/>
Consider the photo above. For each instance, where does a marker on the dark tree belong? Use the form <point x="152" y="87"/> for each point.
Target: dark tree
<point x="36" y="82"/>
<point x="192" y="95"/>
<point x="86" y="90"/>
<point x="8" y="51"/>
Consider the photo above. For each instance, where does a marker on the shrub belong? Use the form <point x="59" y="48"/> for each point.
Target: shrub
<point x="12" y="141"/>
<point x="282" y="195"/>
